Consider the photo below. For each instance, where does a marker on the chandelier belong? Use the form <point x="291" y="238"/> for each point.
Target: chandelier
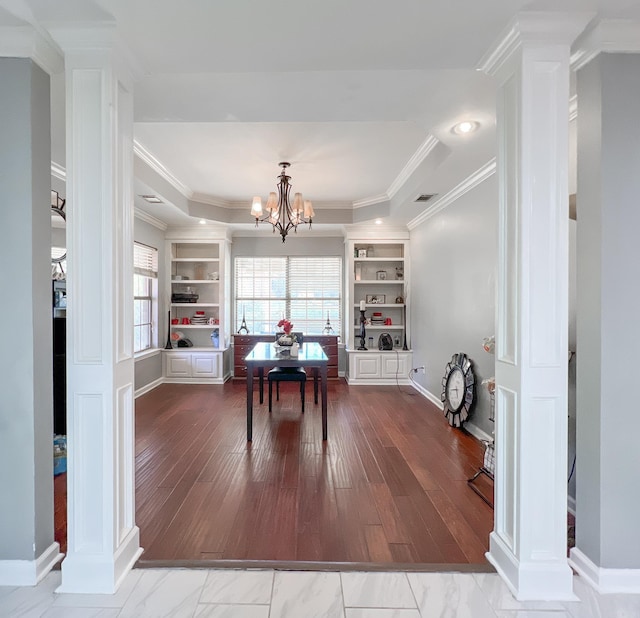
<point x="282" y="215"/>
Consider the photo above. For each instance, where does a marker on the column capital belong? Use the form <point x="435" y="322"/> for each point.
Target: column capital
<point x="606" y="36"/>
<point x="25" y="41"/>
<point x="99" y="43"/>
<point x="533" y="29"/>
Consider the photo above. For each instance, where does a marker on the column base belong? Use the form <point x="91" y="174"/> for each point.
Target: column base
<point x="99" y="574"/>
<point x="29" y="572"/>
<point x="550" y="580"/>
<point x="604" y="580"/>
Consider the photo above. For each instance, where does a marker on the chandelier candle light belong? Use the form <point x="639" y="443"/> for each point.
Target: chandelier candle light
<point x="282" y="215"/>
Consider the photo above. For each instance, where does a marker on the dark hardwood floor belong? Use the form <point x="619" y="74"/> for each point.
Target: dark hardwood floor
<point x="389" y="485"/>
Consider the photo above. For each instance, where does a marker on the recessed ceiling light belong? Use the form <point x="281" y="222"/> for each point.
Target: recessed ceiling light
<point x="152" y="199"/>
<point x="378" y="221"/>
<point x="466" y="126"/>
<point x="202" y="222"/>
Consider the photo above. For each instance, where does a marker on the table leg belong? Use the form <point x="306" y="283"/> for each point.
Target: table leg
<point x="249" y="403"/>
<point x="323" y="389"/>
<point x="261" y="380"/>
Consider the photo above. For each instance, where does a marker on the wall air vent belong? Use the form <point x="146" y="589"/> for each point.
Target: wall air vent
<point x="152" y="199"/>
<point x="425" y="197"/>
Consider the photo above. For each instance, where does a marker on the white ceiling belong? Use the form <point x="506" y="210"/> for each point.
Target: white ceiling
<point x="345" y="91"/>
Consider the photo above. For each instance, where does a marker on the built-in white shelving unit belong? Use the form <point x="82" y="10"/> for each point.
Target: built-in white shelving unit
<point x="378" y="271"/>
<point x="198" y="271"/>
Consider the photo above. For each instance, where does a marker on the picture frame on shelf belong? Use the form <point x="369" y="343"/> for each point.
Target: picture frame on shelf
<point x="381" y="275"/>
<point x="375" y="299"/>
<point x="362" y="253"/>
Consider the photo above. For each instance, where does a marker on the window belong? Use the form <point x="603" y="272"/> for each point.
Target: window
<point x="145" y="279"/>
<point x="303" y="289"/>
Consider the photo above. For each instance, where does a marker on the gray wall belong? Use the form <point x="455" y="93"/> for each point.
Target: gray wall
<point x="26" y="411"/>
<point x="150" y="368"/>
<point x="147" y="370"/>
<point x="608" y="259"/>
<point x="452" y="296"/>
<point x="271" y="246"/>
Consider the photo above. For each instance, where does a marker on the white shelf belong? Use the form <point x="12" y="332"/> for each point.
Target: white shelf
<point x="378" y="281"/>
<point x="374" y="305"/>
<point x="390" y="327"/>
<point x="379" y="259"/>
<point x="196" y="349"/>
<point x="190" y="281"/>
<point x="181" y="326"/>
<point x="195" y="304"/>
<point x="195" y="259"/>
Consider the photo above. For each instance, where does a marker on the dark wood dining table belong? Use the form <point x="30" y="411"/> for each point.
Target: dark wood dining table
<point x="265" y="354"/>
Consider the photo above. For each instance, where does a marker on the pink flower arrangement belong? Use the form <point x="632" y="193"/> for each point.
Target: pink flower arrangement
<point x="285" y="325"/>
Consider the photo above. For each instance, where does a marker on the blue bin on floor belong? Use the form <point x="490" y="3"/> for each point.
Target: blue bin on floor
<point x="59" y="454"/>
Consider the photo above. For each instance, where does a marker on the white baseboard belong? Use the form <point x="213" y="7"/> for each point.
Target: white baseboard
<point x="29" y="572"/>
<point x="436" y="401"/>
<point x="478" y="433"/>
<point x="148" y="387"/>
<point x="102" y="573"/>
<point x="604" y="580"/>
<point x="531" y="581"/>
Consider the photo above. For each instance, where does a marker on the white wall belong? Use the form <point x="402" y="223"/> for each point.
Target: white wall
<point x="452" y="296"/>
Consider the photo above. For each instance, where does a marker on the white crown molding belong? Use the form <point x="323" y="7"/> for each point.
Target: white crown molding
<point x="534" y="28"/>
<point x="203" y="198"/>
<point x="412" y="164"/>
<point x="606" y="36"/>
<point x="27" y="42"/>
<point x="59" y="172"/>
<point x="573" y="108"/>
<point x="150" y="219"/>
<point x="371" y="201"/>
<point x="142" y="153"/>
<point x="469" y="183"/>
<point x="604" y="580"/>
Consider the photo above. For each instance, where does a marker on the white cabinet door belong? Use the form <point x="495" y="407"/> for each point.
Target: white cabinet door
<point x="178" y="365"/>
<point x="395" y="364"/>
<point x="367" y="366"/>
<point x="204" y="365"/>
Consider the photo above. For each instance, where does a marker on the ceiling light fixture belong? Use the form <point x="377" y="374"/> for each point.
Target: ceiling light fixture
<point x="466" y="126"/>
<point x="282" y="215"/>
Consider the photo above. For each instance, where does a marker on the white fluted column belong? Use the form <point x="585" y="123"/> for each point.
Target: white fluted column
<point x="528" y="545"/>
<point x="103" y="540"/>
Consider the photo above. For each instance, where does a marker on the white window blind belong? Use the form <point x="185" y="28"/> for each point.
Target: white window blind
<point x="145" y="269"/>
<point x="303" y="289"/>
<point x="145" y="260"/>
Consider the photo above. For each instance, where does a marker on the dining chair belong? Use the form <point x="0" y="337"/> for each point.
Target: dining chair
<point x="288" y="374"/>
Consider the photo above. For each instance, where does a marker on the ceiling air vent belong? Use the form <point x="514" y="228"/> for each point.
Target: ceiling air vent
<point x="425" y="197"/>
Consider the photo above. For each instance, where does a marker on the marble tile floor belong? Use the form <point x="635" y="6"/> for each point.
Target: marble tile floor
<point x="202" y="593"/>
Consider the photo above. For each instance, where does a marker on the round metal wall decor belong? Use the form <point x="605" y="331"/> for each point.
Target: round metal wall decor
<point x="458" y="389"/>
